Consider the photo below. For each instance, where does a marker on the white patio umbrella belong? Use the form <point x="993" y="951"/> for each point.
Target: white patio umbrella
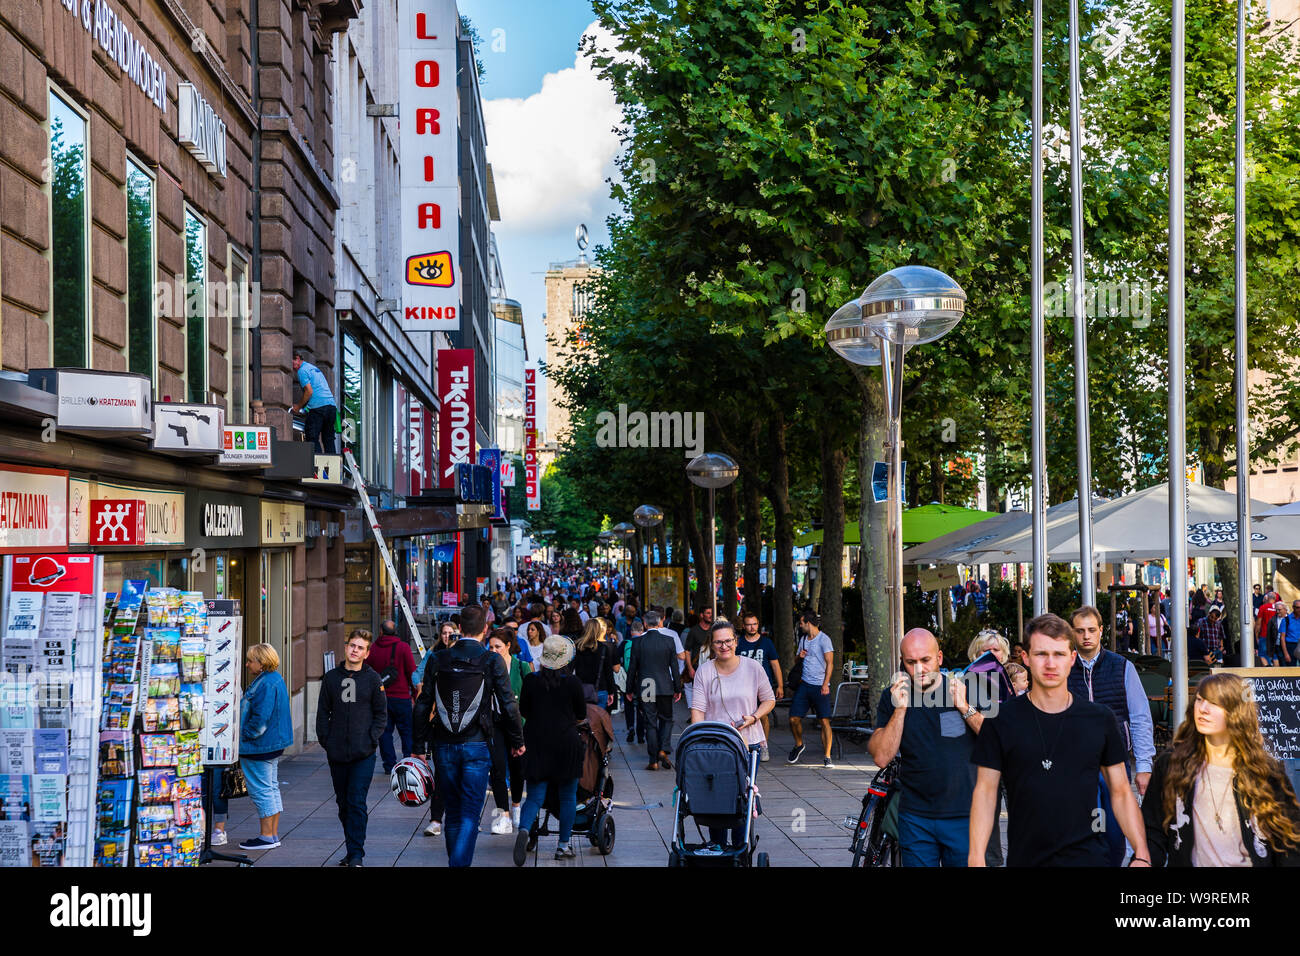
<point x="959" y="547"/>
<point x="1136" y="528"/>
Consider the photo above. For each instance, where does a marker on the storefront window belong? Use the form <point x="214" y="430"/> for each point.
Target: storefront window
<point x="238" y="306"/>
<point x="159" y="569"/>
<point x="352" y="402"/>
<point x="69" y="223"/>
<point x="196" y="308"/>
<point x="139" y="271"/>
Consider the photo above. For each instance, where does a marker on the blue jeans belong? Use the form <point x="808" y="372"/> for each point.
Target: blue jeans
<point x="399" y="716"/>
<point x="932" y="841"/>
<point x="1116" y="845"/>
<point x="461" y="772"/>
<point x="263" y="778"/>
<point x="537" y="796"/>
<point x="351" y="786"/>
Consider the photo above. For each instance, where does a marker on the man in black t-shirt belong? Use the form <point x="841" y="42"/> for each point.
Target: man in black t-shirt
<point x="926" y="717"/>
<point x="1049" y="747"/>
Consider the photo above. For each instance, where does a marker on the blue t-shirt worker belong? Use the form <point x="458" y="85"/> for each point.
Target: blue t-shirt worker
<point x="318" y="402"/>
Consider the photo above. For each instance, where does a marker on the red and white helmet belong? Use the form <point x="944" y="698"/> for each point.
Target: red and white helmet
<point x="412" y="782"/>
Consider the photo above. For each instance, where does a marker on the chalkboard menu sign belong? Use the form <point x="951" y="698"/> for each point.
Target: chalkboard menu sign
<point x="1277" y="697"/>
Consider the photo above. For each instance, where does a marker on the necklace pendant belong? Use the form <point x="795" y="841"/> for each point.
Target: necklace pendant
<point x="1219" y="822"/>
<point x="1047" y="765"/>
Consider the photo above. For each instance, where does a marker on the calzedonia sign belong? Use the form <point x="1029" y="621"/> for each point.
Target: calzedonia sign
<point x="218" y="520"/>
<point x="428" y="152"/>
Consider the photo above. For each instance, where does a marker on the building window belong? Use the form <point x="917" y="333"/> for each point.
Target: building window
<point x="239" y="308"/>
<point x="352" y="406"/>
<point x="140" y="272"/>
<point x="581" y="299"/>
<point x="196" y="308"/>
<point x="69" y="226"/>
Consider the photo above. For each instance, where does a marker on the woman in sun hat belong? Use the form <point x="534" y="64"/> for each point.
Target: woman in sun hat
<point x="552" y="704"/>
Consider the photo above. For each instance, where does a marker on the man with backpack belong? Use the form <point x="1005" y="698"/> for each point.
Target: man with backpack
<point x="351" y="713"/>
<point x="393" y="659"/>
<point x="463" y="686"/>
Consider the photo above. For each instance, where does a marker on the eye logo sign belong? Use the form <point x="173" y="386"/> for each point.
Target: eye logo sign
<point x="431" y="269"/>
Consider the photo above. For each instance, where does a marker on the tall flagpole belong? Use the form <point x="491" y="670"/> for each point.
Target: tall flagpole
<point x="1079" y="301"/>
<point x="1177" y="376"/>
<point x="1038" y="441"/>
<point x="1245" y="607"/>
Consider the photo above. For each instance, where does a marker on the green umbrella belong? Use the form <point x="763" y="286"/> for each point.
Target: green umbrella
<point x="919" y="524"/>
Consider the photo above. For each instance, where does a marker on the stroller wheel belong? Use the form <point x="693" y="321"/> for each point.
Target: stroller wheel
<point x="761" y="860"/>
<point x="603" y="838"/>
<point x="675" y="858"/>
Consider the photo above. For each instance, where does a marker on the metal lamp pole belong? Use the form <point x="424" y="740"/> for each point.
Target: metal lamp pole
<point x="647" y="517"/>
<point x="712" y="470"/>
<point x="1038" y="377"/>
<point x="907" y="306"/>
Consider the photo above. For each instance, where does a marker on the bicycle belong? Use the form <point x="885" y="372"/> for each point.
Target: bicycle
<point x="871" y="845"/>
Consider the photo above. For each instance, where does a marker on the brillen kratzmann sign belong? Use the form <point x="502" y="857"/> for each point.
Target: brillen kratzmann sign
<point x="428" y="152"/>
<point x="456" y="420"/>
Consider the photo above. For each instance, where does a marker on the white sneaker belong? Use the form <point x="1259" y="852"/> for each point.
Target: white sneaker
<point x="763" y="755"/>
<point x="218" y="838"/>
<point x="502" y="823"/>
<point x="433" y="829"/>
<point x="514" y="815"/>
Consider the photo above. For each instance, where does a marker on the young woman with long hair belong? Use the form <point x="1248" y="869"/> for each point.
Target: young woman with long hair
<point x="1217" y="798"/>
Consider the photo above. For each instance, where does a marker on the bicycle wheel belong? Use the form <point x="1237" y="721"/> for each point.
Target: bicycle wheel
<point x="866" y="820"/>
<point x="881" y="849"/>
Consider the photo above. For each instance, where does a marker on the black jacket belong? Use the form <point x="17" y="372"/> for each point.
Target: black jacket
<point x="426" y="730"/>
<point x="654" y="659"/>
<point x="351" y="713"/>
<point x="553" y="705"/>
<point x="1172" y="845"/>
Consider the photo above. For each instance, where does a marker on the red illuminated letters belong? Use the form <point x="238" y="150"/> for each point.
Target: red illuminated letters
<point x="426" y="73"/>
<point x="426" y="121"/>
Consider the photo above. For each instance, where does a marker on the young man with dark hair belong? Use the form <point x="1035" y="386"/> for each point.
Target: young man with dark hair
<point x="1049" y="747"/>
<point x="1105" y="677"/>
<point x="351" y="713"/>
<point x="753" y="644"/>
<point x="455" y="711"/>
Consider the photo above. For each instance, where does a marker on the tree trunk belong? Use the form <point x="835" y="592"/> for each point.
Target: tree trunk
<point x="697" y="543"/>
<point x="783" y="596"/>
<point x="730" y="541"/>
<point x="833" y="461"/>
<point x="753" y="544"/>
<point x="873" y="555"/>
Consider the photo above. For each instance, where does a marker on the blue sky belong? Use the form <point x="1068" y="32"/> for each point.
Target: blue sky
<point x="550" y="140"/>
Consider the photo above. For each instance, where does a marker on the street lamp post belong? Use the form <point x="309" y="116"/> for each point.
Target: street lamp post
<point x="907" y="306"/>
<point x="647" y="517"/>
<point x="625" y="532"/>
<point x="712" y="470"/>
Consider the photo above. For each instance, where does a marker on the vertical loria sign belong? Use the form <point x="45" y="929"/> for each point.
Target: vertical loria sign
<point x="427" y="147"/>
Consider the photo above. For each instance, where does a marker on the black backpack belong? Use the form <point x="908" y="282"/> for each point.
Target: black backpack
<point x="460" y="689"/>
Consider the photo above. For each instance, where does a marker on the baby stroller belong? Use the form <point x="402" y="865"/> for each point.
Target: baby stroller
<point x="595" y="800"/>
<point x="716" y="774"/>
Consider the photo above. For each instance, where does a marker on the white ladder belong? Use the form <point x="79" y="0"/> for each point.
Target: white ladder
<point x="360" y="487"/>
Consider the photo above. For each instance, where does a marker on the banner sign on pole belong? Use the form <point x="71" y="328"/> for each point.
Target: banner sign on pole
<point x="532" y="479"/>
<point x="456" y="420"/>
<point x="428" y="153"/>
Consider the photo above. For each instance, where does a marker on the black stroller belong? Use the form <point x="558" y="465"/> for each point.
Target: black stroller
<point x="594" y="804"/>
<point x="716" y="774"/>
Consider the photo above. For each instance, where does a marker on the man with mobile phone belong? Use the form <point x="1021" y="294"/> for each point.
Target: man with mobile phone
<point x="927" y="718"/>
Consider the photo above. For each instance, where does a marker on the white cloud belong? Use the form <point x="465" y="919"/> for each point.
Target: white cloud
<point x="551" y="153"/>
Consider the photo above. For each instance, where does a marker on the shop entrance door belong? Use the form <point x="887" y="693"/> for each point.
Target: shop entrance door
<point x="273" y="609"/>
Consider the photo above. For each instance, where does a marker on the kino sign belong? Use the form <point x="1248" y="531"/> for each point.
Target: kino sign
<point x="428" y="153"/>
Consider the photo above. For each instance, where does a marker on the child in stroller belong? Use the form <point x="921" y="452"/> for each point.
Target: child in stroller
<point x="716" y="776"/>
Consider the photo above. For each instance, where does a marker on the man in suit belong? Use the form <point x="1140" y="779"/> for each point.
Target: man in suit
<point x="654" y="680"/>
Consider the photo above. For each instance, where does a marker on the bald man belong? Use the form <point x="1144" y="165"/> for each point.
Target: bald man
<point x="927" y="719"/>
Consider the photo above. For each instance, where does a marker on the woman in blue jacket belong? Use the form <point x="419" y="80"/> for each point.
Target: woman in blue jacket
<point x="265" y="730"/>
